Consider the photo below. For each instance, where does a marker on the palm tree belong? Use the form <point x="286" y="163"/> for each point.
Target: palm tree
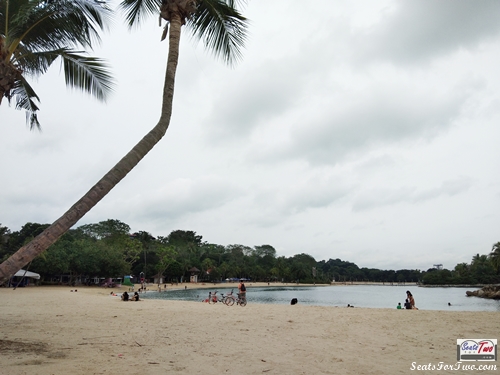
<point x="35" y="33"/>
<point x="495" y="256"/>
<point x="222" y="28"/>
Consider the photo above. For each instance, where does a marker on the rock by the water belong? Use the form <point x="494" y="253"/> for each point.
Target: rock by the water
<point x="490" y="291"/>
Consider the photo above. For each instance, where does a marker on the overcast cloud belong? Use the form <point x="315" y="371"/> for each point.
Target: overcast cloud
<point x="365" y="131"/>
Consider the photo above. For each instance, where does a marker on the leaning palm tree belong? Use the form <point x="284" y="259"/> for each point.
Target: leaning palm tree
<point x="223" y="29"/>
<point x="35" y="33"/>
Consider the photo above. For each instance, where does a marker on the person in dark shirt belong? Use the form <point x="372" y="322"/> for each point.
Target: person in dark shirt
<point x="407" y="304"/>
<point x="242" y="289"/>
<point x="135" y="297"/>
<point x="125" y="296"/>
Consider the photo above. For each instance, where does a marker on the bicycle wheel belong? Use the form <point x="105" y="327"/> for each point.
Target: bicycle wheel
<point x="230" y="301"/>
<point x="242" y="302"/>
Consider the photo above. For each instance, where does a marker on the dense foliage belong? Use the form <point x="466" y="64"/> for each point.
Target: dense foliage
<point x="108" y="249"/>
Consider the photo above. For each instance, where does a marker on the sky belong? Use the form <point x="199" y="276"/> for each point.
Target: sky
<point x="366" y="131"/>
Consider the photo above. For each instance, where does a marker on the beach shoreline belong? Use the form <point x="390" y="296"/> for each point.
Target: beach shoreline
<point x="52" y="331"/>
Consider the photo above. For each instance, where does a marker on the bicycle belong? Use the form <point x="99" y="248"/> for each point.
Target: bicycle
<point x="214" y="298"/>
<point x="241" y="300"/>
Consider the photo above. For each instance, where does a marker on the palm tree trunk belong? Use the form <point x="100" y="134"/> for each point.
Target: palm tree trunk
<point x="28" y="252"/>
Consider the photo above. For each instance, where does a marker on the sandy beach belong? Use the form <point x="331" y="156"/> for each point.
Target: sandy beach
<point x="53" y="331"/>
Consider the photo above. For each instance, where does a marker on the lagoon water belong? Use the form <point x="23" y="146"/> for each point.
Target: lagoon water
<point x="376" y="296"/>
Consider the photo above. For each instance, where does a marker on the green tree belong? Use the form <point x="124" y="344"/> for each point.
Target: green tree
<point x="35" y="33"/>
<point x="166" y="255"/>
<point x="223" y="29"/>
<point x="148" y="256"/>
<point x="495" y="256"/>
<point x="27" y="232"/>
<point x="4" y="238"/>
<point x="105" y="229"/>
<point x="482" y="269"/>
<point x="462" y="274"/>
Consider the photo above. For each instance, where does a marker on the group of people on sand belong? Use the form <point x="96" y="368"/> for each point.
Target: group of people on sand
<point x="126" y="297"/>
<point x="409" y="302"/>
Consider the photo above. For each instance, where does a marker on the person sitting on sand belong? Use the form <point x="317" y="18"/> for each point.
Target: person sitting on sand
<point x="411" y="300"/>
<point x="398" y="306"/>
<point x="407" y="304"/>
<point x="135" y="297"/>
<point x="125" y="296"/>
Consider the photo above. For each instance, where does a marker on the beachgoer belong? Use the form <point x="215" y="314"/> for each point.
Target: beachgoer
<point x="411" y="300"/>
<point x="135" y="297"/>
<point x="407" y="304"/>
<point x="243" y="290"/>
<point x="125" y="296"/>
<point x="398" y="306"/>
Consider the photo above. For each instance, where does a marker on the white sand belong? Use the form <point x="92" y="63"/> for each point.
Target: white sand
<point x="50" y="330"/>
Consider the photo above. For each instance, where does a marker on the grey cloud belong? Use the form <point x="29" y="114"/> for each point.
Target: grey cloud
<point x="313" y="197"/>
<point x="382" y="197"/>
<point x="450" y="188"/>
<point x="304" y="195"/>
<point x="424" y="29"/>
<point x="261" y="95"/>
<point x="182" y="197"/>
<point x="387" y="196"/>
<point x="372" y="118"/>
<point x="375" y="163"/>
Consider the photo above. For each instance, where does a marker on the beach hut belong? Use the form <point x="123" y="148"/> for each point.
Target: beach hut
<point x="194" y="274"/>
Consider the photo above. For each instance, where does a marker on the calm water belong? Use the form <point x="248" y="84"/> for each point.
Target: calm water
<point x="358" y="295"/>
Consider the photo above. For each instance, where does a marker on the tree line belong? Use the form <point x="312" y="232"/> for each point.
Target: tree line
<point x="109" y="249"/>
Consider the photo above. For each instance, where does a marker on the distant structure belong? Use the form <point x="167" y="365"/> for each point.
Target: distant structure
<point x="438" y="266"/>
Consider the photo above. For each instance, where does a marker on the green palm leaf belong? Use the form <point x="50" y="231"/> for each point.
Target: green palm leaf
<point x="221" y="27"/>
<point x="34" y="33"/>
<point x="87" y="73"/>
<point x="217" y="22"/>
<point x="137" y="10"/>
<point x="26" y="97"/>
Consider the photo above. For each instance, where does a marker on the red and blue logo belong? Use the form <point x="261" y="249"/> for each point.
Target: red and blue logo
<point x="476" y="349"/>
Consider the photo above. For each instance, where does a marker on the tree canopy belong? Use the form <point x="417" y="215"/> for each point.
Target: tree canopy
<point x="108" y="249"/>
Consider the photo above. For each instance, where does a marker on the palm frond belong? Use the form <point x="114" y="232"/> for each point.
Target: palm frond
<point x="34" y="33"/>
<point x="137" y="10"/>
<point x="87" y="73"/>
<point x="222" y="28"/>
<point x="25" y="98"/>
<point x="34" y="64"/>
<point x="56" y="24"/>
